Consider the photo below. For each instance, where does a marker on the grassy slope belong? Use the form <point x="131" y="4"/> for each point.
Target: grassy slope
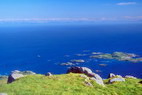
<point x="68" y="84"/>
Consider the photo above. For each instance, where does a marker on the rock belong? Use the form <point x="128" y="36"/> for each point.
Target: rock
<point x="16" y="74"/>
<point x="3" y="94"/>
<point x="84" y="70"/>
<point x="132" y="55"/>
<point x="126" y="57"/>
<point x="120" y="56"/>
<point x="28" y="73"/>
<point x="97" y="78"/>
<point x="103" y="65"/>
<point x="96" y="53"/>
<point x="102" y="56"/>
<point x="128" y="76"/>
<point x="92" y="75"/>
<point x="81" y="54"/>
<point x="100" y="82"/>
<point x="140" y="82"/>
<point x="23" y="72"/>
<point x="135" y="60"/>
<point x="13" y="77"/>
<point x="98" y="71"/>
<point x="111" y="75"/>
<point x="88" y="84"/>
<point x="88" y="72"/>
<point x="84" y="76"/>
<point x="48" y="74"/>
<point x="67" y="64"/>
<point x="119" y="76"/>
<point x="78" y="61"/>
<point x="116" y="80"/>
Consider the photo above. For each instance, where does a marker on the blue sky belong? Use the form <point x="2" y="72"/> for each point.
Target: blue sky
<point x="70" y="10"/>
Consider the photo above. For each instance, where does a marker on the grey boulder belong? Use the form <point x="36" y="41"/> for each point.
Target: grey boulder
<point x="116" y="80"/>
<point x="48" y="74"/>
<point x="3" y="94"/>
<point x="96" y="78"/>
<point x="111" y="75"/>
<point x="84" y="76"/>
<point x="129" y="76"/>
<point x="23" y="72"/>
<point x="13" y="77"/>
<point x="88" y="84"/>
<point x="87" y="72"/>
<point x="84" y="70"/>
<point x="16" y="74"/>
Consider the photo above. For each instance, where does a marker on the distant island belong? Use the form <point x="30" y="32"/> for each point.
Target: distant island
<point x="119" y="56"/>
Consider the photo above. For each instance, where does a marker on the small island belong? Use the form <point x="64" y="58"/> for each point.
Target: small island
<point x="120" y="56"/>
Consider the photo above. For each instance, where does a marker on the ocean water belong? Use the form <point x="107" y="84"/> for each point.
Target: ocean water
<point x="43" y="48"/>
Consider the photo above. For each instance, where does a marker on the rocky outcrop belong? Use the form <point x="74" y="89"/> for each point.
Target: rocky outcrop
<point x="13" y="77"/>
<point x="103" y="65"/>
<point x="48" y="74"/>
<point x="81" y="54"/>
<point x="102" y="56"/>
<point x="23" y="72"/>
<point x="88" y="72"/>
<point x="85" y="73"/>
<point x="67" y="64"/>
<point x="119" y="79"/>
<point x="115" y="78"/>
<point x="111" y="75"/>
<point x="73" y="62"/>
<point x="88" y="84"/>
<point x="18" y="74"/>
<point x="84" y="76"/>
<point x="129" y="76"/>
<point x="78" y="61"/>
<point x="140" y="82"/>
<point x="84" y="70"/>
<point x="97" y="53"/>
<point x="98" y="80"/>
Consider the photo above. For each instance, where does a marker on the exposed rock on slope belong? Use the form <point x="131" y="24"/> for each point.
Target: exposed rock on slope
<point x="18" y="74"/>
<point x="87" y="72"/>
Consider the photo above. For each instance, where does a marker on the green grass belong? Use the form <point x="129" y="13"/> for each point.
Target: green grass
<point x="68" y="84"/>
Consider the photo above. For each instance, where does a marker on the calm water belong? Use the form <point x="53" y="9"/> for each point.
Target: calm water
<point x="42" y="49"/>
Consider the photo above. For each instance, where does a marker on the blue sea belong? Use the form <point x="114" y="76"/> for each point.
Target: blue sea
<point x="43" y="48"/>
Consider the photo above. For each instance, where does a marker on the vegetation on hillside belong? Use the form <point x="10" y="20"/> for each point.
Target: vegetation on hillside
<point x="68" y="84"/>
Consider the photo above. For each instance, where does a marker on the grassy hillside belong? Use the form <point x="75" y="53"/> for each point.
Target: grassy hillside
<point x="68" y="84"/>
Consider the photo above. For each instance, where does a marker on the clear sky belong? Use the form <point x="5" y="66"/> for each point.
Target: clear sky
<point x="70" y="10"/>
